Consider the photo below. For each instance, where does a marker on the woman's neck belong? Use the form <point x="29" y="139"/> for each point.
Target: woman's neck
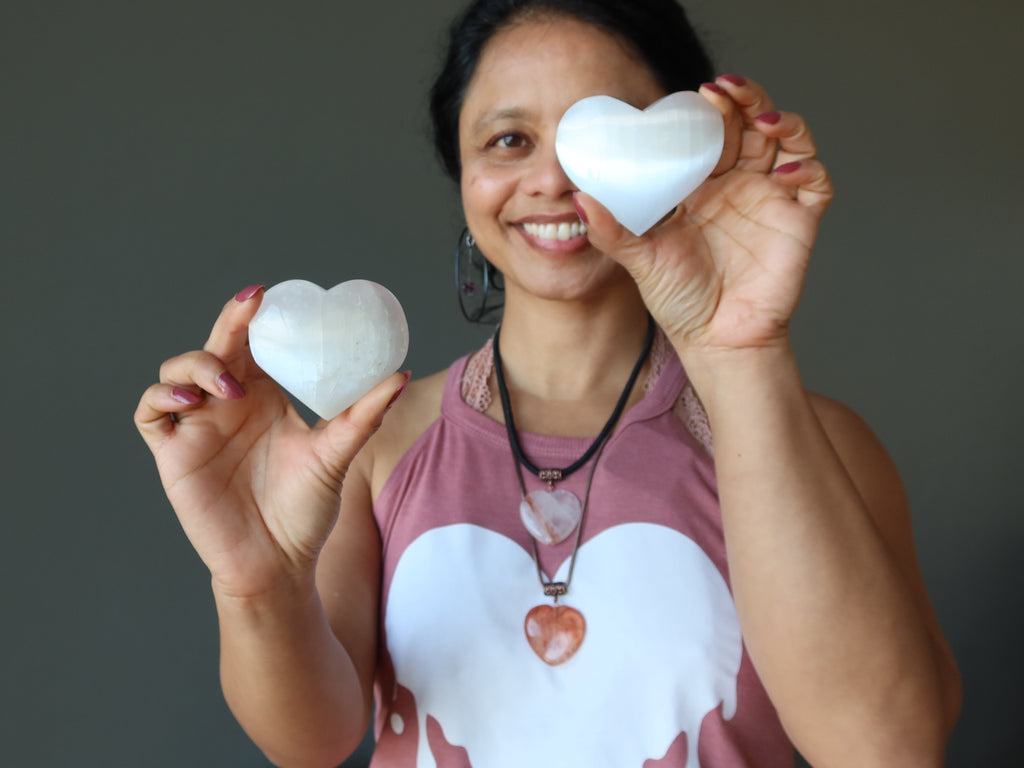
<point x="567" y="363"/>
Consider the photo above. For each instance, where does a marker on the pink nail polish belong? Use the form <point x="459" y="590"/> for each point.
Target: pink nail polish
<point x="788" y="167"/>
<point x="734" y="79"/>
<point x="579" y="209"/>
<point x="769" y="118"/>
<point x="230" y="387"/>
<point x="186" y="396"/>
<point x="714" y="88"/>
<point x="247" y="293"/>
<point x="398" y="394"/>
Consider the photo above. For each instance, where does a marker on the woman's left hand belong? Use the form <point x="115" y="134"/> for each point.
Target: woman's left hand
<point x="724" y="272"/>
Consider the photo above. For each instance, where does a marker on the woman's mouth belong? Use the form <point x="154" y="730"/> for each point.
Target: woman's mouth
<point x="556" y="238"/>
<point x="560" y="232"/>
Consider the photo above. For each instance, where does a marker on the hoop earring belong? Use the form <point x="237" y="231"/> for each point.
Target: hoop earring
<point x="478" y="283"/>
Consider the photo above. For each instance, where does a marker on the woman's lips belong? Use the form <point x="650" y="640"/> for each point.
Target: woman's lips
<point x="555" y="237"/>
<point x="563" y="230"/>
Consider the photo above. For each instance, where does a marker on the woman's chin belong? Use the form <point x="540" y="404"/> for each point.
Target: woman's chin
<point x="585" y="281"/>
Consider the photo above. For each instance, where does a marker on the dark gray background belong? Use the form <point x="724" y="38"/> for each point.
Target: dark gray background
<point x="156" y="158"/>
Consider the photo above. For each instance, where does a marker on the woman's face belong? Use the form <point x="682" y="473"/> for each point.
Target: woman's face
<point x="516" y="198"/>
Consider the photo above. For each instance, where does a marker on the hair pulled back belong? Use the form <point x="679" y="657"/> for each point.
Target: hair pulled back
<point x="657" y="30"/>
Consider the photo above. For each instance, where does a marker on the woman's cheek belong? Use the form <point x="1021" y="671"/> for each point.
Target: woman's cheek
<point x="487" y="191"/>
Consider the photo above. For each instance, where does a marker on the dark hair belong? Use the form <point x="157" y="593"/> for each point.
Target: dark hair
<point x="658" y="31"/>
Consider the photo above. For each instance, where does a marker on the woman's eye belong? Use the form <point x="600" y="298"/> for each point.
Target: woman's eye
<point x="509" y="141"/>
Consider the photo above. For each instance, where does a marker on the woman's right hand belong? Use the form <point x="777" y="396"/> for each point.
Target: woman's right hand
<point x="256" y="489"/>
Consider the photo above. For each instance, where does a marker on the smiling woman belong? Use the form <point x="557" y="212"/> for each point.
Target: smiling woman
<point x="620" y="534"/>
<point x="514" y="191"/>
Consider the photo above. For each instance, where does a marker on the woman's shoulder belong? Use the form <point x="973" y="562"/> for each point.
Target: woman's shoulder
<point x="865" y="458"/>
<point x="412" y="414"/>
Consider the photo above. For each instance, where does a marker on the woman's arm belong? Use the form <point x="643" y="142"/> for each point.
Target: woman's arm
<point x="833" y="609"/>
<point x="301" y="692"/>
<point x="822" y="565"/>
<point x="297" y="664"/>
<point x="258" y="492"/>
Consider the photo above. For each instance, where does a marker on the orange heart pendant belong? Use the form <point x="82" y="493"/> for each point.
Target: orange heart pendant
<point x="555" y="632"/>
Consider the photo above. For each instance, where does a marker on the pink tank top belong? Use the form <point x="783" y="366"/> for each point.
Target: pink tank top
<point x="661" y="678"/>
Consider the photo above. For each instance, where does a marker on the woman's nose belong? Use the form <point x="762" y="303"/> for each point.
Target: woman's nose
<point x="546" y="176"/>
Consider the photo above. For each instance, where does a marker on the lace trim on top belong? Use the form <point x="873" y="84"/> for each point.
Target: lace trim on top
<point x="476" y="390"/>
<point x="690" y="411"/>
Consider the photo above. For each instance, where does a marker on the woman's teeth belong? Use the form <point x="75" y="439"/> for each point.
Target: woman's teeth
<point x="563" y="231"/>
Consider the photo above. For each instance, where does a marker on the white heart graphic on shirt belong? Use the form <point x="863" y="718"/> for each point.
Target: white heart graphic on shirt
<point x="662" y="648"/>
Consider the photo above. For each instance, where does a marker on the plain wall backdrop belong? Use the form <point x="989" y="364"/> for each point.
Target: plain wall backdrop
<point x="157" y="157"/>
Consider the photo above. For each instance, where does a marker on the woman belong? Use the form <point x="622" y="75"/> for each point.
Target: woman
<point x="687" y="611"/>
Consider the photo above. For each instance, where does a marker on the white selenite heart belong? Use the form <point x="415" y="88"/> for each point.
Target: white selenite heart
<point x="640" y="164"/>
<point x="329" y="348"/>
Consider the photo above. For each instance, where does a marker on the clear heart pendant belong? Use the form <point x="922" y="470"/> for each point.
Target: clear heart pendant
<point x="550" y="516"/>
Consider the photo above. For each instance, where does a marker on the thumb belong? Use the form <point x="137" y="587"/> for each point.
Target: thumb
<point x="609" y="236"/>
<point x="603" y="229"/>
<point x="342" y="437"/>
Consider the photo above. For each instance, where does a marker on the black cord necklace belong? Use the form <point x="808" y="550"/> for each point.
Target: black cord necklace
<point x="552" y="475"/>
<point x="555" y="632"/>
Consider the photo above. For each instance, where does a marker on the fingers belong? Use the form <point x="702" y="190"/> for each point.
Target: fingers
<point x="759" y="138"/>
<point x="158" y="408"/>
<point x="811" y="182"/>
<point x="733" y="120"/>
<point x="796" y="161"/>
<point x="753" y="149"/>
<point x="794" y="138"/>
<point x="343" y="436"/>
<point x="229" y="336"/>
<point x="186" y="380"/>
<point x="202" y="370"/>
<point x="751" y="98"/>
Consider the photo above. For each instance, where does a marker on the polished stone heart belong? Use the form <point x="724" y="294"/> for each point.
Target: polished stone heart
<point x="550" y="516"/>
<point x="640" y="164"/>
<point x="555" y="632"/>
<point x="329" y="348"/>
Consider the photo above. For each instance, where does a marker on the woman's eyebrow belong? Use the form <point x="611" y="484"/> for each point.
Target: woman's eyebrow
<point x="494" y="115"/>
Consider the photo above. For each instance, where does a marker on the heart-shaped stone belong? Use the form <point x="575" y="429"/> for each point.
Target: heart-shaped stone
<point x="555" y="632"/>
<point x="550" y="516"/>
<point x="329" y="348"/>
<point x="640" y="164"/>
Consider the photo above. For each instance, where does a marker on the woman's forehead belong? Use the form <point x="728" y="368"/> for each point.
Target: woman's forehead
<point x="555" y="59"/>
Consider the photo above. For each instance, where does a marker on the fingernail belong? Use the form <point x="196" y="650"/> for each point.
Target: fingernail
<point x="398" y="394"/>
<point x="769" y="118"/>
<point x="186" y="396"/>
<point x="788" y="167"/>
<point x="247" y="293"/>
<point x="734" y="79"/>
<point x="579" y="209"/>
<point x="714" y="88"/>
<point x="230" y="387"/>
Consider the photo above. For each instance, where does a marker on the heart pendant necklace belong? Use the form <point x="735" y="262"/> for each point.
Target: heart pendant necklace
<point x="555" y="632"/>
